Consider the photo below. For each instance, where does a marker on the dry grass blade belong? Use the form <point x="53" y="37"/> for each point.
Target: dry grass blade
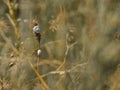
<point x="39" y="77"/>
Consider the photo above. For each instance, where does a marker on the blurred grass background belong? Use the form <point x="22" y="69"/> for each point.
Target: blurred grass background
<point x="80" y="45"/>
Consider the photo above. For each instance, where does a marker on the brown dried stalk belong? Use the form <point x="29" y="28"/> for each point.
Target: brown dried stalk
<point x="11" y="17"/>
<point x="46" y="87"/>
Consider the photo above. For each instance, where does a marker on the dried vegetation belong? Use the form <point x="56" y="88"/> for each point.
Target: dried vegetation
<point x="80" y="45"/>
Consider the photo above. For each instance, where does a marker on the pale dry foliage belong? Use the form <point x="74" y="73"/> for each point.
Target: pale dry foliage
<point x="80" y="45"/>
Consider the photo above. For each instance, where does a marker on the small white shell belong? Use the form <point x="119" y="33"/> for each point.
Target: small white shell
<point x="39" y="52"/>
<point x="36" y="29"/>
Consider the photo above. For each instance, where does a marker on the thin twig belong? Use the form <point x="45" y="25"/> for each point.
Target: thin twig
<point x="64" y="71"/>
<point x="67" y="49"/>
<point x="66" y="53"/>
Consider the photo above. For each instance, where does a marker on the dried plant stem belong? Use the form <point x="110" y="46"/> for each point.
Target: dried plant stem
<point x="14" y="26"/>
<point x="62" y="73"/>
<point x="46" y="87"/>
<point x="38" y="61"/>
<point x="11" y="17"/>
